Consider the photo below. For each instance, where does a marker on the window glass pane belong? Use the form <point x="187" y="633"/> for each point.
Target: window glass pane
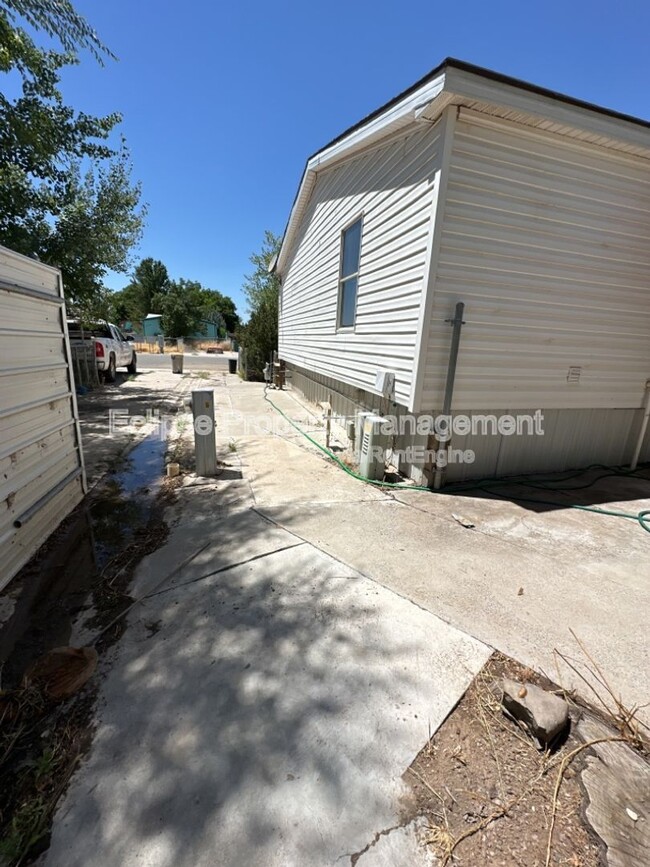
<point x="351" y="247"/>
<point x="348" y="302"/>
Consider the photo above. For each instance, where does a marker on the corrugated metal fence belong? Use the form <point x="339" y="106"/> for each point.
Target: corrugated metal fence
<point x="41" y="462"/>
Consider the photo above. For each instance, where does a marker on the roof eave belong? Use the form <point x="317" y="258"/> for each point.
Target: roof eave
<point x="402" y="112"/>
<point x="460" y="83"/>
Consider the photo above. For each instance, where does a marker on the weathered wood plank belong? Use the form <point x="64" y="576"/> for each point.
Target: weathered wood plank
<point x="617" y="782"/>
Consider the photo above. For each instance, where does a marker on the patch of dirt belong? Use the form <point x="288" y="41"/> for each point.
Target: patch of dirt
<point x="487" y="792"/>
<point x="88" y="564"/>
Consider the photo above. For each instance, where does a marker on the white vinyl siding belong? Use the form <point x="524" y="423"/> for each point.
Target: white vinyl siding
<point x="392" y="186"/>
<point x="547" y="243"/>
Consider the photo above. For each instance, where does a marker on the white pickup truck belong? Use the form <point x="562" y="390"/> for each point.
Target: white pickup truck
<point x="112" y="349"/>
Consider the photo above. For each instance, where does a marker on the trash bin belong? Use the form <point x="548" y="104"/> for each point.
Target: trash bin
<point x="232" y="365"/>
<point x="177" y="362"/>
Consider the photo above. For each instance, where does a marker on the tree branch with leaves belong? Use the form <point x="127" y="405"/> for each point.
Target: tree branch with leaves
<point x="262" y="289"/>
<point x="66" y="195"/>
<point x="60" y="20"/>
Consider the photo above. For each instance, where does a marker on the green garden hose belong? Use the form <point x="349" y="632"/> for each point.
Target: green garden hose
<point x="487" y="485"/>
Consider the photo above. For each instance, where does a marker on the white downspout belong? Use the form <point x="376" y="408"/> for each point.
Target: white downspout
<point x="644" y="426"/>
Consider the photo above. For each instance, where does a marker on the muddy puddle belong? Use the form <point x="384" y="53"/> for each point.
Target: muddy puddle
<point x="62" y="582"/>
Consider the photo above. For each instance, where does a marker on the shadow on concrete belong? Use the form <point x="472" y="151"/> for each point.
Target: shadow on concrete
<point x="223" y="715"/>
<point x="595" y="486"/>
<point x="126" y="391"/>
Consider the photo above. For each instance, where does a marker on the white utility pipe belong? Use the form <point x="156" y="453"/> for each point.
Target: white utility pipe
<point x="644" y="426"/>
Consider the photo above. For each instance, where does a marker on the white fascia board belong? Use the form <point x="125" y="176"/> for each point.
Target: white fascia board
<point x="469" y="87"/>
<point x="402" y="113"/>
<point x="304" y="192"/>
<point x="378" y="126"/>
<point x="462" y="87"/>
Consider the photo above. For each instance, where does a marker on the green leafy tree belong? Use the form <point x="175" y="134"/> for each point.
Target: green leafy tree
<point x="181" y="308"/>
<point x="96" y="228"/>
<point x="65" y="193"/>
<point x="150" y="282"/>
<point x="262" y="289"/>
<point x="96" y="309"/>
<point x="122" y="304"/>
<point x="182" y="312"/>
<point x="217" y="308"/>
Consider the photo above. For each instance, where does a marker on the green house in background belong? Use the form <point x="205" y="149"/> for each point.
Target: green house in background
<point x="151" y="327"/>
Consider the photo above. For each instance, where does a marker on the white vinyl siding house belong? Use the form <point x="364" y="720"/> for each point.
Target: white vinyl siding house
<point x="392" y="189"/>
<point x="548" y="244"/>
<point x="531" y="209"/>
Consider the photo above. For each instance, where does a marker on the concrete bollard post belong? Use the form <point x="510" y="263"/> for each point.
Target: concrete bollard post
<point x="205" y="449"/>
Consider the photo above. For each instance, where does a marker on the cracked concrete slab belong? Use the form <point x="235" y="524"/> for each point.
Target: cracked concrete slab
<point x="520" y="580"/>
<point x="269" y="719"/>
<point x="402" y="846"/>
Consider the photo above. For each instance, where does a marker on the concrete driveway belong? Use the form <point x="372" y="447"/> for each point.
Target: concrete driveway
<point x="263" y="704"/>
<point x="520" y="580"/>
<point x="304" y="634"/>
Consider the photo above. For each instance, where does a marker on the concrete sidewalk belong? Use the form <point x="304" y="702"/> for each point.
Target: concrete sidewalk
<point x="265" y="700"/>
<point x="263" y="705"/>
<point x="519" y="581"/>
<point x="152" y="392"/>
<point x="139" y="395"/>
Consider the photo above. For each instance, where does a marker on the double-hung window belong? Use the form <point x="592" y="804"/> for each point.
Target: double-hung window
<point x="349" y="276"/>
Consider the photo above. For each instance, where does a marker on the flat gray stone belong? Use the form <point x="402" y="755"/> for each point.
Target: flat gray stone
<point x="544" y="715"/>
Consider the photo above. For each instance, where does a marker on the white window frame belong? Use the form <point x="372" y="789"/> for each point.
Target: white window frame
<point x="358" y="219"/>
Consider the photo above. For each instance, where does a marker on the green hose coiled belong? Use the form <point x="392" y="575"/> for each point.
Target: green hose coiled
<point x="487" y="485"/>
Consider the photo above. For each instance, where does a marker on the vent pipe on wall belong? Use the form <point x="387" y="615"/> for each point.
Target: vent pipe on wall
<point x="457" y="323"/>
<point x="644" y="427"/>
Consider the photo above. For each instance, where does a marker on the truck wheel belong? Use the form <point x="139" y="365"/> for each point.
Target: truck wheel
<point x="133" y="367"/>
<point x="109" y="373"/>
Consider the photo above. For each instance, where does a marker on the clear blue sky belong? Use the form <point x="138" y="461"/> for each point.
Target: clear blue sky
<point x="222" y="103"/>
